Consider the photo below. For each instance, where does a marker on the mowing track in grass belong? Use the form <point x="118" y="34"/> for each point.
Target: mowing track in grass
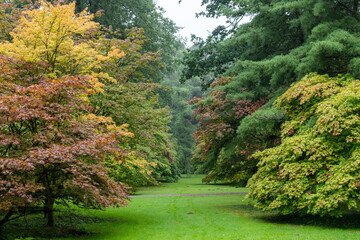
<point x="190" y="195"/>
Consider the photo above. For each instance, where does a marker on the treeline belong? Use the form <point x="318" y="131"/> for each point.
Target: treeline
<point x="84" y="119"/>
<point x="303" y="128"/>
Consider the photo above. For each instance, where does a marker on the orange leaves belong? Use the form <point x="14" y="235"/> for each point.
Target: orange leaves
<point x="42" y="134"/>
<point x="110" y="125"/>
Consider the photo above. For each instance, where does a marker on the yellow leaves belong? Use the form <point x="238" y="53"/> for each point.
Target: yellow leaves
<point x="116" y="53"/>
<point x="47" y="33"/>
<point x="113" y="55"/>
<point x="99" y="119"/>
<point x="103" y="76"/>
<point x="110" y="125"/>
<point x="101" y="58"/>
<point x="133" y="161"/>
<point x="123" y="130"/>
<point x="97" y="85"/>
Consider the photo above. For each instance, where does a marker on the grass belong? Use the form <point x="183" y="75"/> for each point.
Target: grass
<point x="211" y="217"/>
<point x="189" y="185"/>
<point x="207" y="217"/>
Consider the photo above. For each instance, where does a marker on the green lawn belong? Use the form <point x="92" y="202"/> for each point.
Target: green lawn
<point x="189" y="185"/>
<point x="209" y="217"/>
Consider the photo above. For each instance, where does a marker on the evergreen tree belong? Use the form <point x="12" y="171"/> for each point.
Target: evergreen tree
<point x="283" y="42"/>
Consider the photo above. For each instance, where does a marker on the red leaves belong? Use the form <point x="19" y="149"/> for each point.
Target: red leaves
<point x="220" y="82"/>
<point x="46" y="148"/>
<point x="291" y="131"/>
<point x="244" y="108"/>
<point x="219" y="116"/>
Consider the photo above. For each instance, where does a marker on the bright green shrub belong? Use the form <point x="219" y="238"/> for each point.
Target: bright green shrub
<point x="316" y="168"/>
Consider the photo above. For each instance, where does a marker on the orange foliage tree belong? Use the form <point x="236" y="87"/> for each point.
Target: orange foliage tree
<point x="52" y="148"/>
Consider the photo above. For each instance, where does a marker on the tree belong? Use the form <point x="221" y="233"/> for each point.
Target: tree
<point x="52" y="148"/>
<point x="182" y="126"/>
<point x="315" y="169"/>
<point x="284" y="41"/>
<point x="127" y="14"/>
<point x="48" y="34"/>
<point x="159" y="47"/>
<point x="311" y="31"/>
<point x="218" y="148"/>
<point x="133" y="99"/>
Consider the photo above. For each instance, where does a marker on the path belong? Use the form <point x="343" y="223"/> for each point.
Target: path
<point x="189" y="195"/>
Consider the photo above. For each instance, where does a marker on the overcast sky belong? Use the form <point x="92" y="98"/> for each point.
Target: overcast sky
<point x="183" y="15"/>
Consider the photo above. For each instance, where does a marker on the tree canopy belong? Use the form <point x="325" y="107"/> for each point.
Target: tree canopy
<point x="315" y="168"/>
<point x="144" y="14"/>
<point x="80" y="121"/>
<point x="254" y="63"/>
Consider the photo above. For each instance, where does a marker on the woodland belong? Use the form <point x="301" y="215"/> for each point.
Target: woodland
<point x="101" y="100"/>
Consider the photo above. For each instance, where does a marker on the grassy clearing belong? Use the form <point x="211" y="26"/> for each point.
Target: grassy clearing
<point x="211" y="217"/>
<point x="205" y="217"/>
<point x="189" y="185"/>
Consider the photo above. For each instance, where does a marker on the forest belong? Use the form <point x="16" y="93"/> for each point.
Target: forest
<point x="106" y="114"/>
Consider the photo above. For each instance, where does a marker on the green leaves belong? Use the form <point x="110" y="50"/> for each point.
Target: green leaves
<point x="317" y="162"/>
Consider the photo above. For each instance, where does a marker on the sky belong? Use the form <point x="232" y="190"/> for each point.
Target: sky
<point x="183" y="15"/>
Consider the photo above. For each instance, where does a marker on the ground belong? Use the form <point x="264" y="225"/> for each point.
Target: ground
<point x="209" y="217"/>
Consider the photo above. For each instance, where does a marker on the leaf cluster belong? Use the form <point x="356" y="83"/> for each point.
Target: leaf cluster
<point x="315" y="168"/>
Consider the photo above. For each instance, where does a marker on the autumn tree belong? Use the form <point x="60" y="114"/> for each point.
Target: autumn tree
<point x="133" y="99"/>
<point x="52" y="147"/>
<point x="219" y="152"/>
<point x="315" y="169"/>
<point x="112" y="63"/>
<point x="72" y="47"/>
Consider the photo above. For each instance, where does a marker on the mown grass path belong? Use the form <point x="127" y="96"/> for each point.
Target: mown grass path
<point x="190" y="195"/>
<point x="209" y="217"/>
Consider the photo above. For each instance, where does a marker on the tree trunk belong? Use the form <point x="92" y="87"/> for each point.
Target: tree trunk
<point x="49" y="211"/>
<point x="356" y="7"/>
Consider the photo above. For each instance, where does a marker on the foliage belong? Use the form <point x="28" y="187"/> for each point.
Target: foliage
<point x="283" y="41"/>
<point x="57" y="63"/>
<point x="218" y="150"/>
<point x="127" y="14"/>
<point x="52" y="148"/>
<point x="73" y="44"/>
<point x="49" y="35"/>
<point x="276" y="28"/>
<point x="315" y="169"/>
<point x="146" y="60"/>
<point x="133" y="100"/>
<point x="182" y="125"/>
